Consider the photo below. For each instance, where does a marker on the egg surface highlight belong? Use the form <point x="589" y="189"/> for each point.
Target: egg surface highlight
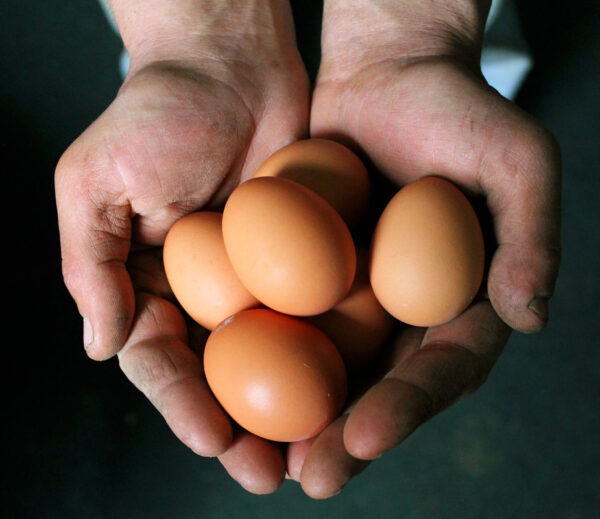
<point x="427" y="253"/>
<point x="277" y="376"/>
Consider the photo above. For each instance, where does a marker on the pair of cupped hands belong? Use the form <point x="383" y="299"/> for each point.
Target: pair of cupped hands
<point x="212" y="91"/>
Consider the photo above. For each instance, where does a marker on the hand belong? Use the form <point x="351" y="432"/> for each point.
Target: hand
<point x="201" y="108"/>
<point x="400" y="82"/>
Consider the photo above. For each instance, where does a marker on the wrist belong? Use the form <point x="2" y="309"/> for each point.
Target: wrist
<point x="357" y="33"/>
<point x="205" y="31"/>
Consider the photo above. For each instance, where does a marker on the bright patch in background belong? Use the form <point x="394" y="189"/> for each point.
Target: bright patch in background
<point x="505" y="58"/>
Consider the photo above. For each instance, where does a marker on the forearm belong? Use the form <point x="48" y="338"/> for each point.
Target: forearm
<point x="155" y="30"/>
<point x="356" y="31"/>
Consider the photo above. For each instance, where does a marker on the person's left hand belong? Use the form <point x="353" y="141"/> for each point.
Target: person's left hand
<point x="412" y="116"/>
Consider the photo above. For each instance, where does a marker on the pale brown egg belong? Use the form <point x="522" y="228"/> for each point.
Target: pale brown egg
<point x="427" y="253"/>
<point x="277" y="376"/>
<point x="199" y="271"/>
<point x="328" y="168"/>
<point x="289" y="247"/>
<point x="358" y="325"/>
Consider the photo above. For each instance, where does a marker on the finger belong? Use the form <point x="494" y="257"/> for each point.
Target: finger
<point x="295" y="456"/>
<point x="454" y="359"/>
<point x="328" y="466"/>
<point x="94" y="237"/>
<point x="255" y="463"/>
<point x="158" y="362"/>
<point x="522" y="182"/>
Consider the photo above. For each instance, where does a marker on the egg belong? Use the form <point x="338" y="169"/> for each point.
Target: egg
<point x="358" y="325"/>
<point x="277" y="376"/>
<point x="288" y="246"/>
<point x="327" y="167"/>
<point x="199" y="271"/>
<point x="427" y="253"/>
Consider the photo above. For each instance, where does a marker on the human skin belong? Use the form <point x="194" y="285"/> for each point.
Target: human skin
<point x="400" y="82"/>
<point x="214" y="88"/>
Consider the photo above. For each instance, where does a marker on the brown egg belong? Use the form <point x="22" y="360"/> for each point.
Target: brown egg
<point x="427" y="253"/>
<point x="328" y="168"/>
<point x="289" y="247"/>
<point x="358" y="325"/>
<point x="277" y="376"/>
<point x="199" y="271"/>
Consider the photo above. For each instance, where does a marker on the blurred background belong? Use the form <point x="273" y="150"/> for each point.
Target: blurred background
<point x="84" y="443"/>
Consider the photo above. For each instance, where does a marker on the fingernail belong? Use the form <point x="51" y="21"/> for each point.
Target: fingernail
<point x="539" y="305"/>
<point x="88" y="333"/>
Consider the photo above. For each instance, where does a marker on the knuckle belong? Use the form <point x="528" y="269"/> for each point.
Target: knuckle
<point x="530" y="157"/>
<point x="65" y="164"/>
<point x="548" y="143"/>
<point x="65" y="178"/>
<point x="541" y="151"/>
<point x="471" y="376"/>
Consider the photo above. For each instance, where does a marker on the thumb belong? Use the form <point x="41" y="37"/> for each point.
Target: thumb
<point x="95" y="230"/>
<point x="522" y="183"/>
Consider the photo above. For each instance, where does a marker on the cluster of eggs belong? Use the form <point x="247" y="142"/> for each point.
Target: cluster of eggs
<point x="291" y="302"/>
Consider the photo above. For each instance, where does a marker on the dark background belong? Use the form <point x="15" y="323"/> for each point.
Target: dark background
<point x="83" y="443"/>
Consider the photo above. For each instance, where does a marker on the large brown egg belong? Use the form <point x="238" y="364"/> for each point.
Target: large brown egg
<point x="328" y="168"/>
<point x="277" y="376"/>
<point x="199" y="271"/>
<point x="288" y="246"/>
<point x="427" y="253"/>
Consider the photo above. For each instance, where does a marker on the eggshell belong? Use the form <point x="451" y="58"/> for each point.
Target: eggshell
<point x="289" y="247"/>
<point x="427" y="253"/>
<point x="326" y="167"/>
<point x="277" y="376"/>
<point x="358" y="325"/>
<point x="199" y="271"/>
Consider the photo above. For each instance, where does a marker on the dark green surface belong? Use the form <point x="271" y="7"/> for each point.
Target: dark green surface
<point x="85" y="444"/>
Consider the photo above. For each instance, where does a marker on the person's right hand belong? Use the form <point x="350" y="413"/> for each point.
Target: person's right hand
<point x="201" y="108"/>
